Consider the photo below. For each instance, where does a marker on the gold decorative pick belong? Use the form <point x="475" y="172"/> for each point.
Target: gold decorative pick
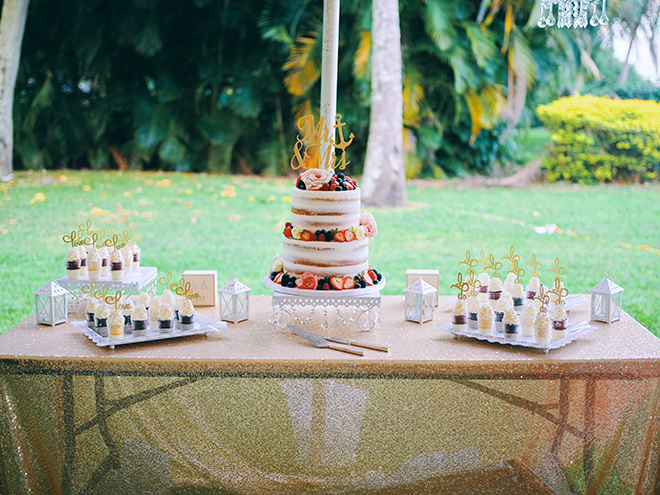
<point x="166" y="281"/>
<point x="559" y="270"/>
<point x="513" y="258"/>
<point x="185" y="289"/>
<point x="520" y="272"/>
<point x="558" y="290"/>
<point x="534" y="266"/>
<point x="470" y="262"/>
<point x="543" y="298"/>
<point x="314" y="136"/>
<point x="493" y="265"/>
<point x="483" y="259"/>
<point x="113" y="300"/>
<point x="92" y="290"/>
<point x="463" y="287"/>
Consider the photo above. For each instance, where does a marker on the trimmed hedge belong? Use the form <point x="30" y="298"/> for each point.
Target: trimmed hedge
<point x="601" y="140"/>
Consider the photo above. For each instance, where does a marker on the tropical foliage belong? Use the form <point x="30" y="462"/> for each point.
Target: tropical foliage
<point x="218" y="86"/>
<point x="599" y="139"/>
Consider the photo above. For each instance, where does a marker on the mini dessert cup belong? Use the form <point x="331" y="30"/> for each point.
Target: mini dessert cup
<point x="511" y="323"/>
<point x="486" y="327"/>
<point x="542" y="330"/>
<point x="73" y="269"/>
<point x="472" y="320"/>
<point x="527" y="323"/>
<point x="94" y="270"/>
<point x="116" y="331"/>
<point x="493" y="297"/>
<point x="518" y="303"/>
<point x="83" y="266"/>
<point x="139" y="327"/>
<point x="165" y="326"/>
<point x="90" y="320"/>
<point x="117" y="270"/>
<point x="101" y="326"/>
<point x="187" y="322"/>
<point x="105" y="265"/>
<point x="128" y="327"/>
<point x="483" y="293"/>
<point x="177" y="320"/>
<point x="511" y="329"/>
<point x="459" y="322"/>
<point x="136" y="262"/>
<point x="499" y="326"/>
<point x="559" y="329"/>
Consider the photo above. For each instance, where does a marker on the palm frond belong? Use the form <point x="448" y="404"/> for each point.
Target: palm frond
<point x="304" y="64"/>
<point x="476" y="110"/>
<point x="42" y="100"/>
<point x="361" y="63"/>
<point x="463" y="73"/>
<point x="438" y="22"/>
<point x="521" y="57"/>
<point x="151" y="122"/>
<point x="413" y="94"/>
<point x="148" y="41"/>
<point x="481" y="42"/>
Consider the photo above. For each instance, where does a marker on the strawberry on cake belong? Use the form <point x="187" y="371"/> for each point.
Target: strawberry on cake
<point x="326" y="243"/>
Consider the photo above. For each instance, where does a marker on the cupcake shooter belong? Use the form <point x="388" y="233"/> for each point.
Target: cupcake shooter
<point x="165" y="318"/>
<point x="518" y="296"/>
<point x="485" y="319"/>
<point x="168" y="297"/>
<point x="177" y="306"/>
<point x="116" y="325"/>
<point x="558" y="321"/>
<point x="187" y="315"/>
<point x="101" y="319"/>
<point x="473" y="308"/>
<point x="73" y="264"/>
<point x="136" y="257"/>
<point x="542" y="328"/>
<point x="153" y="312"/>
<point x="144" y="299"/>
<point x="127" y="254"/>
<point x="459" y="315"/>
<point x="139" y="320"/>
<point x="127" y="309"/>
<point x="509" y="282"/>
<point x="511" y="322"/>
<point x="484" y="280"/>
<point x="116" y="265"/>
<point x="494" y="291"/>
<point x="94" y="264"/>
<point x="502" y="305"/>
<point x="82" y="250"/>
<point x="90" y="309"/>
<point x="527" y="316"/>
<point x="105" y="261"/>
<point x="533" y="287"/>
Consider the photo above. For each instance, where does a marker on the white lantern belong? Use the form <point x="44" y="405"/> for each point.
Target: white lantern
<point x="606" y="301"/>
<point x="51" y="304"/>
<point x="420" y="301"/>
<point x="234" y="301"/>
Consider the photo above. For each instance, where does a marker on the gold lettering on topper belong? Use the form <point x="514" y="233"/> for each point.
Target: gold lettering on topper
<point x="315" y="136"/>
<point x="185" y="289"/>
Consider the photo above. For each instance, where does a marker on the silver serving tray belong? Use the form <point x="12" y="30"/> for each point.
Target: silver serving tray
<point x="575" y="330"/>
<point x="203" y="325"/>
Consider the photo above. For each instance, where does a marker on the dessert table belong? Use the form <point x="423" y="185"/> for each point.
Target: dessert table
<point x="249" y="409"/>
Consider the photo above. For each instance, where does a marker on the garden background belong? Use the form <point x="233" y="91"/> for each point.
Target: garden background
<point x="179" y="117"/>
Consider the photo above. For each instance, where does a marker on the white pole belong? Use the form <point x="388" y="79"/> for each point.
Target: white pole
<point x="329" y="68"/>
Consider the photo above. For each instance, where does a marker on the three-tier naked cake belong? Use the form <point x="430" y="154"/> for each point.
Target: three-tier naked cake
<point x="326" y="243"/>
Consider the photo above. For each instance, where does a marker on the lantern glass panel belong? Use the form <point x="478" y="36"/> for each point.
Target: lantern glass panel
<point x="43" y="309"/>
<point x="412" y="306"/>
<point x="60" y="308"/>
<point x="598" y="309"/>
<point x="429" y="305"/>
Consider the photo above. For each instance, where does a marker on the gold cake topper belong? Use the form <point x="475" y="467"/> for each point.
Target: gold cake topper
<point x="520" y="272"/>
<point x="535" y="266"/>
<point x="483" y="259"/>
<point x="182" y="288"/>
<point x="463" y="287"/>
<point x="514" y="259"/>
<point x="86" y="236"/>
<point x="493" y="265"/>
<point x="102" y="294"/>
<point x="559" y="270"/>
<point x="315" y="136"/>
<point x="559" y="290"/>
<point x="543" y="298"/>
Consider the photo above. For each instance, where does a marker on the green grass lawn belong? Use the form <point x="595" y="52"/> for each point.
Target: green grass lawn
<point x="233" y="224"/>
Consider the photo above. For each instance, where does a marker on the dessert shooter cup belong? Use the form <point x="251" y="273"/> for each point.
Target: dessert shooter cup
<point x="177" y="320"/>
<point x="187" y="322"/>
<point x="128" y="327"/>
<point x="165" y="326"/>
<point x="499" y="326"/>
<point x="94" y="270"/>
<point x="485" y="327"/>
<point x="542" y="334"/>
<point x="139" y="327"/>
<point x="116" y="332"/>
<point x="493" y="297"/>
<point x="73" y="269"/>
<point x="90" y="320"/>
<point x="559" y="329"/>
<point x="117" y="270"/>
<point x="83" y="265"/>
<point x="136" y="262"/>
<point x="101" y="326"/>
<point x="472" y="320"/>
<point x="510" y="329"/>
<point x="459" y="322"/>
<point x="483" y="293"/>
<point x="105" y="266"/>
<point x="527" y="325"/>
<point x="518" y="303"/>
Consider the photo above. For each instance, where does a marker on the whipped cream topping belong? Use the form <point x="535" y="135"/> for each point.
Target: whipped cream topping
<point x="534" y="284"/>
<point x="495" y="285"/>
<point x="73" y="254"/>
<point x="542" y="324"/>
<point x="94" y="256"/>
<point x="91" y="305"/>
<point x="168" y="297"/>
<point x="82" y="251"/>
<point x="517" y="290"/>
<point x="139" y="312"/>
<point x="473" y="304"/>
<point x="188" y="308"/>
<point x="116" y="257"/>
<point x="135" y="248"/>
<point x="485" y="313"/>
<point x="558" y="313"/>
<point x="510" y="281"/>
<point x="483" y="278"/>
<point x="116" y="318"/>
<point x="529" y="311"/>
<point x="102" y="311"/>
<point x="503" y="304"/>
<point x="127" y="253"/>
<point x="144" y="299"/>
<point x="178" y="303"/>
<point x="510" y="317"/>
<point x="104" y="253"/>
<point x="165" y="312"/>
<point x="459" y="307"/>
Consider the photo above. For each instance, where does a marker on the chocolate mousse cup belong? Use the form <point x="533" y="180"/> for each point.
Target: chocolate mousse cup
<point x="117" y="270"/>
<point x="177" y="320"/>
<point x="472" y="321"/>
<point x="518" y="303"/>
<point x="511" y="329"/>
<point x="101" y="326"/>
<point x="499" y="326"/>
<point x="187" y="322"/>
<point x="483" y="293"/>
<point x="139" y="327"/>
<point x="128" y="327"/>
<point x="165" y="326"/>
<point x="104" y="266"/>
<point x="83" y="265"/>
<point x="493" y="297"/>
<point x="73" y="269"/>
<point x="459" y="320"/>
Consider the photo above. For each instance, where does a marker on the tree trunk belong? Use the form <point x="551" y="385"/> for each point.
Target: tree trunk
<point x="384" y="181"/>
<point x="12" y="25"/>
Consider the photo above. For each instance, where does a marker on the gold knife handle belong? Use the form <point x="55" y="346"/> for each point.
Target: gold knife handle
<point x="372" y="347"/>
<point x="344" y="349"/>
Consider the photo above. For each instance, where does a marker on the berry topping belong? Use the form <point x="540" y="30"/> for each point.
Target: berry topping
<point x="299" y="282"/>
<point x="287" y="232"/>
<point x="291" y="285"/>
<point x="368" y="279"/>
<point x="349" y="235"/>
<point x="326" y="286"/>
<point x="285" y="279"/>
<point x="306" y="235"/>
<point x="278" y="279"/>
<point x="301" y="185"/>
<point x="339" y="236"/>
<point x="337" y="283"/>
<point x="321" y="237"/>
<point x="349" y="283"/>
<point x="373" y="274"/>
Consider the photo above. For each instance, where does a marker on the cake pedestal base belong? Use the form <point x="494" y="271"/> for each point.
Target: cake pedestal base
<point x="285" y="309"/>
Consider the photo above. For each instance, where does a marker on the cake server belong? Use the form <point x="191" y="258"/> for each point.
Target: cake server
<point x="358" y="344"/>
<point x="319" y="341"/>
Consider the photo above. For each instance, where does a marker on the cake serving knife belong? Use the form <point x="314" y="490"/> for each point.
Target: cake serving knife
<point x="358" y="344"/>
<point x="319" y="341"/>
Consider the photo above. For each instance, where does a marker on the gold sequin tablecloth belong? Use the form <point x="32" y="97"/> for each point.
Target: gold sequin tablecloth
<point x="251" y="410"/>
